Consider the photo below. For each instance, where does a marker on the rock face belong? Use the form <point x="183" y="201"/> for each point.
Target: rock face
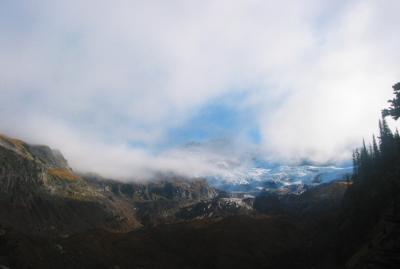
<point x="18" y="173"/>
<point x="53" y="217"/>
<point x="40" y="193"/>
<point x="217" y="208"/>
<point x="157" y="201"/>
<point x="173" y="188"/>
<point x="48" y="156"/>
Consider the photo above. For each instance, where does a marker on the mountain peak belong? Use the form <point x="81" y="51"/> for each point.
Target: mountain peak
<point x="51" y="158"/>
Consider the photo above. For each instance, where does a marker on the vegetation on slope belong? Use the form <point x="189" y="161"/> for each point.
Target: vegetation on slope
<point x="62" y="173"/>
<point x="374" y="195"/>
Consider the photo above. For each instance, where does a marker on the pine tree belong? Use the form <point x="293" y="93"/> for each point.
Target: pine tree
<point x="394" y="109"/>
<point x="364" y="151"/>
<point x="386" y="139"/>
<point x="384" y="153"/>
<point x="386" y="128"/>
<point x="375" y="149"/>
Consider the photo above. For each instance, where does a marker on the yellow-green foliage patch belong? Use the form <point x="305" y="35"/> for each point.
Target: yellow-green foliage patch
<point x="15" y="143"/>
<point x="62" y="173"/>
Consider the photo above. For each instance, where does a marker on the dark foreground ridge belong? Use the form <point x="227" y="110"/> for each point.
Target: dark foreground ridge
<point x="53" y="217"/>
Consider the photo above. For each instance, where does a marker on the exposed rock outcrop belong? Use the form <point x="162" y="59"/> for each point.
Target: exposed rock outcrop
<point x="40" y="193"/>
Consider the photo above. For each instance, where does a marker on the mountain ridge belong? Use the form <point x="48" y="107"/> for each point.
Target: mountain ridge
<point x="54" y="217"/>
<point x="39" y="189"/>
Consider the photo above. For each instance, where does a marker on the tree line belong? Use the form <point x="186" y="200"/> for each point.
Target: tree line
<point x="382" y="155"/>
<point x="375" y="182"/>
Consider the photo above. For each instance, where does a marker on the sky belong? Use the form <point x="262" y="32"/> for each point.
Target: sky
<point x="122" y="87"/>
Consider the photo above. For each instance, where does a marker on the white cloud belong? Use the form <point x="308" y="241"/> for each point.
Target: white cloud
<point x="87" y="77"/>
<point x="337" y="98"/>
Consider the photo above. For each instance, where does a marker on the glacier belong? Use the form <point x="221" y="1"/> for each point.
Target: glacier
<point x="275" y="177"/>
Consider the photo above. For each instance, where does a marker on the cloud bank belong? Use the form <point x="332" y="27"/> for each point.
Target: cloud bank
<point x="107" y="81"/>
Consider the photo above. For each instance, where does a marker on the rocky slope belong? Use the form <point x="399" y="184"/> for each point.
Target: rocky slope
<point x="230" y="239"/>
<point x="40" y="193"/>
<point x="53" y="217"/>
<point x="157" y="201"/>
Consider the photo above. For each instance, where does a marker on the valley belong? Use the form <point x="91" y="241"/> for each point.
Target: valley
<point x="54" y="217"/>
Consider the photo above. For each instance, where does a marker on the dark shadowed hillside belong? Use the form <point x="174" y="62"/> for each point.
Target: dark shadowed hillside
<point x="40" y="193"/>
<point x="370" y="216"/>
<point x="52" y="217"/>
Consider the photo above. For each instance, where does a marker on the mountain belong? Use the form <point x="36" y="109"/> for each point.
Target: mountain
<point x="54" y="217"/>
<point x="239" y="168"/>
<point x="40" y="193"/>
<point x="256" y="178"/>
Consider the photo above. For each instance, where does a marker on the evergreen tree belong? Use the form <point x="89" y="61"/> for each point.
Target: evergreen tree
<point x="394" y="109"/>
<point x="386" y="139"/>
<point x="375" y="149"/>
<point x="376" y="178"/>
<point x="384" y="153"/>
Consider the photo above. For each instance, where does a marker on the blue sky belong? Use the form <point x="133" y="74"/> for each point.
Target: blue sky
<point x="223" y="118"/>
<point x="120" y="86"/>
